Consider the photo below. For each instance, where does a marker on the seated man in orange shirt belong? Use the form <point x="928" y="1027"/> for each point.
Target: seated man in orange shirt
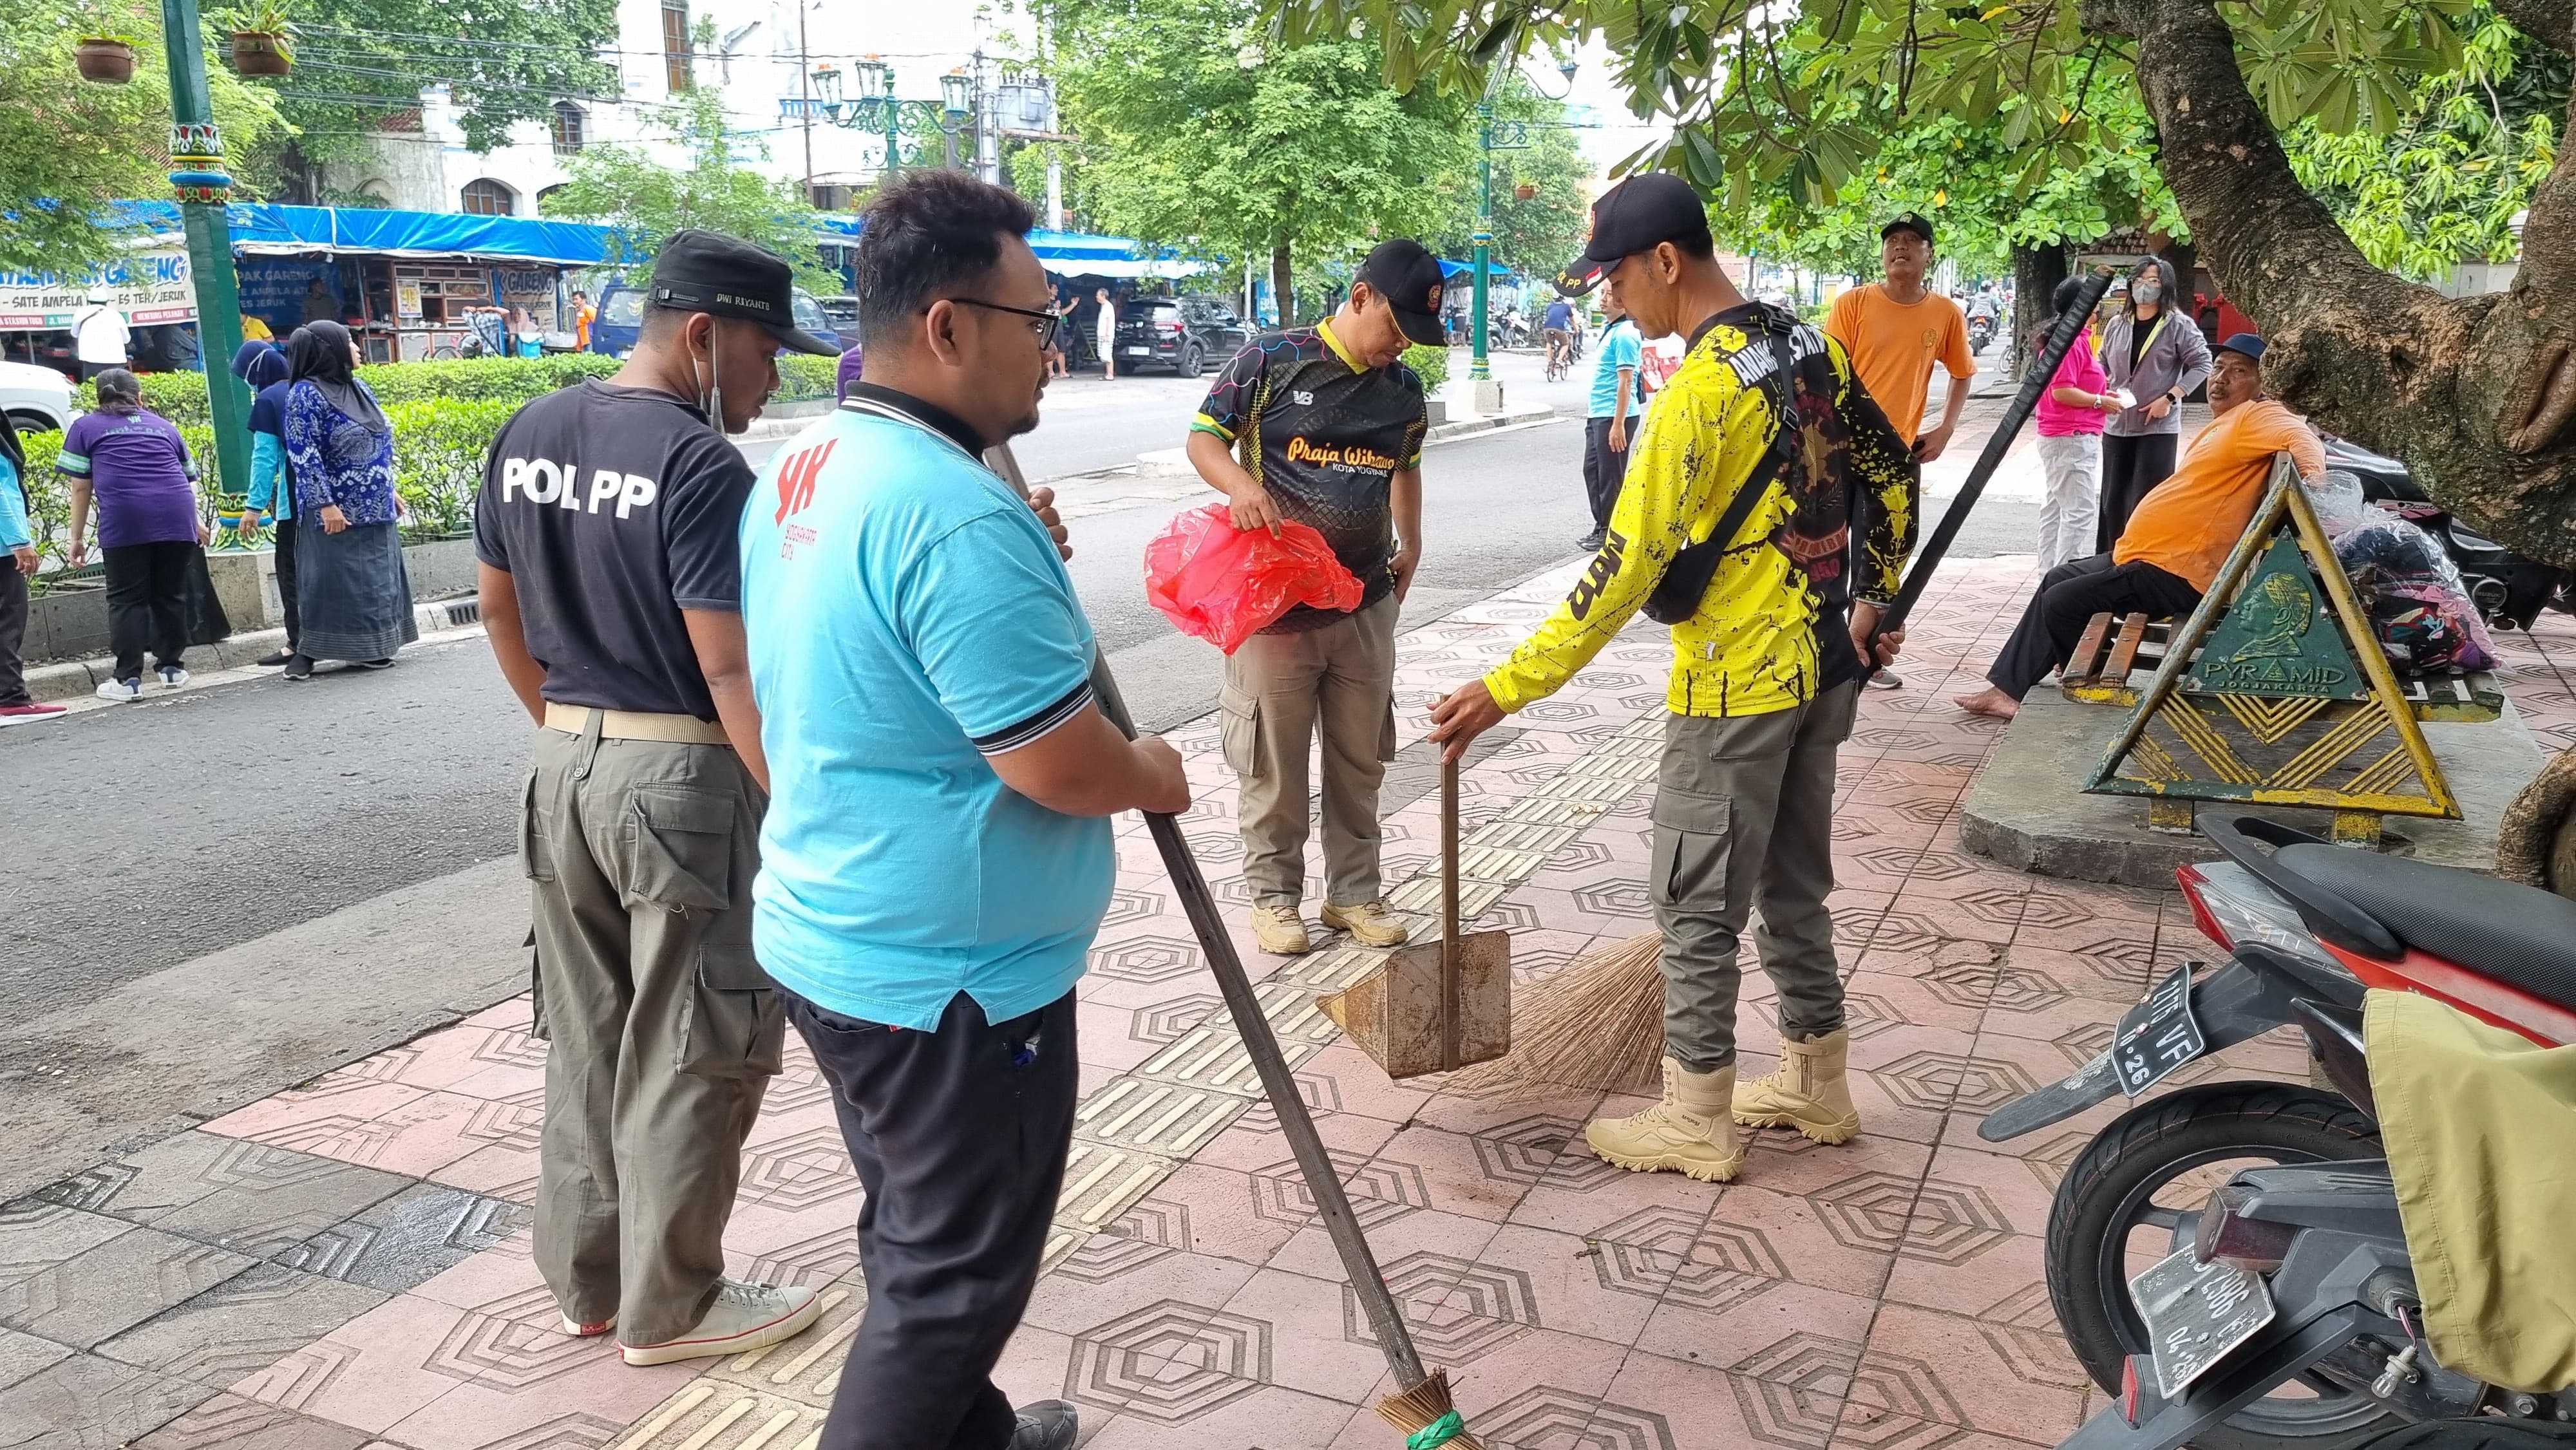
<point x="2177" y="539"/>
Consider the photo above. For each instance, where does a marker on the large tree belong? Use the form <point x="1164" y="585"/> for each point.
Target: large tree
<point x="2478" y="394"/>
<point x="643" y="200"/>
<point x="69" y="147"/>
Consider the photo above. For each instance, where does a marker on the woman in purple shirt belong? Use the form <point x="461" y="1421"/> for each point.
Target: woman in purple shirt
<point x="133" y="462"/>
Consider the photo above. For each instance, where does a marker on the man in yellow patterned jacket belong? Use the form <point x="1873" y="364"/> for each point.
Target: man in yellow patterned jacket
<point x="1765" y="668"/>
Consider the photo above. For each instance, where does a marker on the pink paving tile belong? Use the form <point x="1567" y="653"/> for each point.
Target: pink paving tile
<point x="1983" y="1276"/>
<point x="1562" y="1281"/>
<point x="1663" y="1402"/>
<point x="1343" y="1079"/>
<point x="1770" y="1329"/>
<point x="332" y="1112"/>
<point x="523" y="1395"/>
<point x="1252" y="1143"/>
<point x="1875" y="1001"/>
<point x="501" y="1170"/>
<point x="395" y="1128"/>
<point x="1619" y="1206"/>
<point x="1245" y="1413"/>
<point x="1226" y="1214"/>
<point x="509" y="1012"/>
<point x="1782" y="1161"/>
<point x="1938" y="1367"/>
<point x="1425" y="1251"/>
<point x="486" y="1278"/>
<point x="370" y="1372"/>
<point x="1457" y="1110"/>
<point x="1083" y="1295"/>
<point x="1318" y="1338"/>
<point x="1838" y="1245"/>
<point x="476" y="1061"/>
<point x="1461" y="1175"/>
<point x="1493" y="1387"/>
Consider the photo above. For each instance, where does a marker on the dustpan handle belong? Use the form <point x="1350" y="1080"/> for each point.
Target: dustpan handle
<point x="1297" y="1125"/>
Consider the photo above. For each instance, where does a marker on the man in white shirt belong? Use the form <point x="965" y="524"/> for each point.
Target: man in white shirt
<point x="99" y="336"/>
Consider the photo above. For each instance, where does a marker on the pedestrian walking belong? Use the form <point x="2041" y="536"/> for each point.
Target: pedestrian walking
<point x="611" y="592"/>
<point x="1606" y="427"/>
<point x="100" y="337"/>
<point x="18" y="545"/>
<point x="2158" y="359"/>
<point x="271" y="499"/>
<point x="936" y="858"/>
<point x="2070" y="438"/>
<point x="584" y="313"/>
<point x="353" y="594"/>
<point x="1104" y="324"/>
<point x="137" y="468"/>
<point x="1323" y="425"/>
<point x="1765" y="671"/>
<point x="1895" y="330"/>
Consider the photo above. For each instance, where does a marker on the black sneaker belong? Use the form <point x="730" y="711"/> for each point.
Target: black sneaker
<point x="299" y="668"/>
<point x="1591" y="542"/>
<point x="382" y="664"/>
<point x="1046" y="1425"/>
<point x="274" y="658"/>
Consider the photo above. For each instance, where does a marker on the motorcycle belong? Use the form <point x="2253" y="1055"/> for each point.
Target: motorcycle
<point x="2320" y="1350"/>
<point x="1981" y="330"/>
<point x="2507" y="588"/>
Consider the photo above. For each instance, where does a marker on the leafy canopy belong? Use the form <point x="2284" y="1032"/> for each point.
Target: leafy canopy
<point x="644" y="201"/>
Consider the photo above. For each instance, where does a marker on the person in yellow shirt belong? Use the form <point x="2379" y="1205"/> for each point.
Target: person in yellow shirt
<point x="1765" y="667"/>
<point x="255" y="329"/>
<point x="2175" y="542"/>
<point x="1896" y="329"/>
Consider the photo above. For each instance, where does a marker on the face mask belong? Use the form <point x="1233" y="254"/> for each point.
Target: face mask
<point x="2149" y="291"/>
<point x="711" y="393"/>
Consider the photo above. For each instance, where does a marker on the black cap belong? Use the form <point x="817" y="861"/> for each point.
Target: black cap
<point x="727" y="277"/>
<point x="1911" y="221"/>
<point x="1638" y="215"/>
<point x="1405" y="273"/>
<point x="2245" y="343"/>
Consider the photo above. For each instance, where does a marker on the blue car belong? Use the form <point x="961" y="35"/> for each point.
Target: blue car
<point x="621" y="315"/>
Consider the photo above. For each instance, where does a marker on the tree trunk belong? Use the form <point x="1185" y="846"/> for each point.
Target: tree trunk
<point x="2477" y="394"/>
<point x="2036" y="272"/>
<point x="1283" y="284"/>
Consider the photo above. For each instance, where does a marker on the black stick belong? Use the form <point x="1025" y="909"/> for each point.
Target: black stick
<point x="2061" y="340"/>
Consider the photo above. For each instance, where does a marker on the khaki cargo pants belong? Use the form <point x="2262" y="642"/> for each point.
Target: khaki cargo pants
<point x="640" y="856"/>
<point x="1744" y="812"/>
<point x="1279" y="689"/>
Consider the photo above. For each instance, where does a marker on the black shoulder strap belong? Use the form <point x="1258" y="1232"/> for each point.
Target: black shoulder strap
<point x="1686" y="578"/>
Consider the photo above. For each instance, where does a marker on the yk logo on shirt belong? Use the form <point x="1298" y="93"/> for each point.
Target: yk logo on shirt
<point x="796" y="479"/>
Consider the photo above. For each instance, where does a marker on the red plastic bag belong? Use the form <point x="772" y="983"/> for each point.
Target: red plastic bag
<point x="1215" y="581"/>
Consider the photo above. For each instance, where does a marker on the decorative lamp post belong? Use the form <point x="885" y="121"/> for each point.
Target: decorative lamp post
<point x="877" y="108"/>
<point x="197" y="175"/>
<point x="1493" y="136"/>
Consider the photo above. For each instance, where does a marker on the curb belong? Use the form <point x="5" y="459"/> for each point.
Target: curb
<point x="71" y="679"/>
<point x="1488" y="422"/>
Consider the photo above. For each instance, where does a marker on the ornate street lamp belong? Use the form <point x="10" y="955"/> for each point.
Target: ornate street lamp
<point x="876" y="108"/>
<point x="1493" y="136"/>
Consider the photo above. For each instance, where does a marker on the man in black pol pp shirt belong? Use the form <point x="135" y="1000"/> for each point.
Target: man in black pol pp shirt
<point x="606" y="538"/>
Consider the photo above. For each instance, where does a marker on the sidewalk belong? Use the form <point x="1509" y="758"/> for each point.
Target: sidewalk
<point x="346" y="1264"/>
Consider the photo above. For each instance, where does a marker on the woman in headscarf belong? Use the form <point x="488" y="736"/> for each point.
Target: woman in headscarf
<point x="353" y="594"/>
<point x="267" y="374"/>
<point x="134" y="464"/>
<point x="2154" y="352"/>
<point x="17" y="566"/>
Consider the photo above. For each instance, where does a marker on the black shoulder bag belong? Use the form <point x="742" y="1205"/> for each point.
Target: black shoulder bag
<point x="1678" y="594"/>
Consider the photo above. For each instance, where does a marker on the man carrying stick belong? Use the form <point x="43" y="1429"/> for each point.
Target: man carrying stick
<point x="1765" y="672"/>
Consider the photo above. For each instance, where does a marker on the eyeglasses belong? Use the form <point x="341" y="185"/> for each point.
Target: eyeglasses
<point x="1041" y="324"/>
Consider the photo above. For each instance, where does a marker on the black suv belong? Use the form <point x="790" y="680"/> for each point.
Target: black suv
<point x="1182" y="333"/>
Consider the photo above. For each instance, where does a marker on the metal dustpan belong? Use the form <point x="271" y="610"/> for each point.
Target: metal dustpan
<point x="1434" y="1006"/>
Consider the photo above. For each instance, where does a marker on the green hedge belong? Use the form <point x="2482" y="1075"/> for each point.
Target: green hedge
<point x="1432" y="364"/>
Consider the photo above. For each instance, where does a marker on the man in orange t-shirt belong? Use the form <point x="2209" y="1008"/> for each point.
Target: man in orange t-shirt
<point x="1895" y="330"/>
<point x="2178" y="538"/>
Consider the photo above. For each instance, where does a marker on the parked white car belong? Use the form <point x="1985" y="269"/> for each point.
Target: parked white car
<point x="34" y="399"/>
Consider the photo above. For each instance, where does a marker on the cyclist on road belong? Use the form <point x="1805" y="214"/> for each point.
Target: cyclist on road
<point x="1559" y="325"/>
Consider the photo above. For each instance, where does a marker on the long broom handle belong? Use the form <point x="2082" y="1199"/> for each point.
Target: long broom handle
<point x="2061" y="340"/>
<point x="1358" y="1263"/>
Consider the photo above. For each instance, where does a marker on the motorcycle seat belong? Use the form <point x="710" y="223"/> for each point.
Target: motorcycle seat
<point x="2522" y="936"/>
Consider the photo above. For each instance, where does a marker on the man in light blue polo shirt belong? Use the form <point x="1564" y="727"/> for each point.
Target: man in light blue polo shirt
<point x="1606" y="429"/>
<point x="936" y="857"/>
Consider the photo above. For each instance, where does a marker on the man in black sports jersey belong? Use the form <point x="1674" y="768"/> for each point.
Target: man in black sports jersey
<point x="1323" y="425"/>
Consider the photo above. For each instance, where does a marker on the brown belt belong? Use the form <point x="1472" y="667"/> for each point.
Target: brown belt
<point x="636" y="725"/>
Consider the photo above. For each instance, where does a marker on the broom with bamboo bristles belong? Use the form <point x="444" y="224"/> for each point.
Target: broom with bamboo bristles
<point x="1599" y="1023"/>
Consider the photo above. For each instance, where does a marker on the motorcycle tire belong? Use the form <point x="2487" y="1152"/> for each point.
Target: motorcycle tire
<point x="2108" y="1193"/>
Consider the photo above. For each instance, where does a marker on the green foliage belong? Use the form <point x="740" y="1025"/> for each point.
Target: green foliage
<point x="1431" y="364"/>
<point x="803" y="379"/>
<point x="68" y="147"/>
<point x="1540" y="235"/>
<point x="439" y="446"/>
<point x="643" y="200"/>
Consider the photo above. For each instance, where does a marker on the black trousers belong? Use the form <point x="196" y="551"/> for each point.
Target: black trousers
<point x="13" y="632"/>
<point x="959" y="1136"/>
<point x="1604" y="468"/>
<point x="2130" y="467"/>
<point x="286" y="580"/>
<point x="2068" y="598"/>
<point x="147" y="602"/>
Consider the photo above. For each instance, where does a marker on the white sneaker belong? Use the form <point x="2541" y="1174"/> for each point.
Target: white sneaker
<point x="122" y="689"/>
<point x="172" y="677"/>
<point x="744" y="1317"/>
<point x="579" y="1330"/>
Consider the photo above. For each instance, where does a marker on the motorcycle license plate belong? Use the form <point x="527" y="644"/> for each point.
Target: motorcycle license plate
<point x="2157" y="1035"/>
<point x="2196" y="1313"/>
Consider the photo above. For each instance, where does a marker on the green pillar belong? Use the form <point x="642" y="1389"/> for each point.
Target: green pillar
<point x="197" y="174"/>
<point x="1483" y="368"/>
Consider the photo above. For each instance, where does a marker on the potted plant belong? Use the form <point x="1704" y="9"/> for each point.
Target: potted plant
<point x="1525" y="191"/>
<point x="106" y="59"/>
<point x="262" y="40"/>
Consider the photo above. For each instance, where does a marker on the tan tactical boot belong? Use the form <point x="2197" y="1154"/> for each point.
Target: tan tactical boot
<point x="1688" y="1132"/>
<point x="1280" y="930"/>
<point x="1369" y="923"/>
<point x="1810" y="1092"/>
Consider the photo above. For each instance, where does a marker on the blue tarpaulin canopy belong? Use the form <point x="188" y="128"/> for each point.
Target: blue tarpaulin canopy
<point x="1494" y="272"/>
<point x="262" y="229"/>
<point x="1067" y="254"/>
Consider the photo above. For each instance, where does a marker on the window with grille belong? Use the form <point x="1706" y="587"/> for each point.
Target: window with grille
<point x="568" y="128"/>
<point x="675" y="45"/>
<point x="486" y="197"/>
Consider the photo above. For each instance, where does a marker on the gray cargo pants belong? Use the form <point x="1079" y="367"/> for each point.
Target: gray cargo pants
<point x="640" y="856"/>
<point x="1279" y="690"/>
<point x="1743" y="822"/>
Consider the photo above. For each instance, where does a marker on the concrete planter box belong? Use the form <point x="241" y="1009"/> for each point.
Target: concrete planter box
<point x="70" y="623"/>
<point x="1439" y="409"/>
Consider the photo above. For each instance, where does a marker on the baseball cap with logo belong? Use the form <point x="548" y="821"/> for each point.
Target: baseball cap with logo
<point x="1405" y="273"/>
<point x="723" y="276"/>
<point x="1639" y="214"/>
<point x="1908" y="221"/>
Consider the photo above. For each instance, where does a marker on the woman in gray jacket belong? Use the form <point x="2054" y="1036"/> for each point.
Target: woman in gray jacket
<point x="2155" y="351"/>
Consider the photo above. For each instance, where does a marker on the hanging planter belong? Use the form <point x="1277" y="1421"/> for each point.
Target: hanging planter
<point x="1524" y="192"/>
<point x="261" y="53"/>
<point x="104" y="59"/>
